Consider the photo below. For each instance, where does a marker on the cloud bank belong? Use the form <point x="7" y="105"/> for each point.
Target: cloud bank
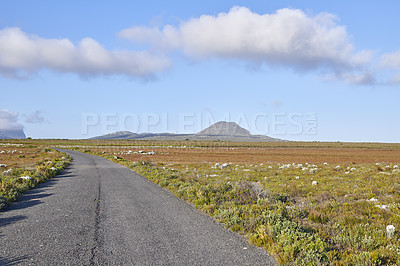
<point x="22" y="55"/>
<point x="288" y="38"/>
<point x="8" y="120"/>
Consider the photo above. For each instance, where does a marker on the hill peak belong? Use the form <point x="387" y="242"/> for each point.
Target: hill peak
<point x="224" y="128"/>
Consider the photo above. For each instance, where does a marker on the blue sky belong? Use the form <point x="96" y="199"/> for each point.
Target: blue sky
<point x="297" y="70"/>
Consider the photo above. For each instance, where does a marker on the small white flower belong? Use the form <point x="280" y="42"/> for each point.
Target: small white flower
<point x="314" y="183"/>
<point x="297" y="177"/>
<point x="383" y="207"/>
<point x="26" y="177"/>
<point x="390" y="229"/>
<point x="373" y="199"/>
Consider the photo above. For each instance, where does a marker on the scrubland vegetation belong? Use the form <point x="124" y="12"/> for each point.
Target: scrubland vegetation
<point x="23" y="166"/>
<point x="327" y="216"/>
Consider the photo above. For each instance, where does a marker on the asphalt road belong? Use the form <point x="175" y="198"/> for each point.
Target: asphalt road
<point x="97" y="212"/>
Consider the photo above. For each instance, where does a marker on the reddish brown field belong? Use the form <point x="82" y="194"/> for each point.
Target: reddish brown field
<point x="261" y="155"/>
<point x="186" y="152"/>
<point x="20" y="156"/>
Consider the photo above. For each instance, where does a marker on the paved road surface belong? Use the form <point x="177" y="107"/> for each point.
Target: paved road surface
<point x="98" y="212"/>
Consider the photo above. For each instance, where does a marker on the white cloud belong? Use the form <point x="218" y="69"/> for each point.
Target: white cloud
<point x="287" y="38"/>
<point x="395" y="79"/>
<point x="353" y="78"/>
<point x="22" y="55"/>
<point x="392" y="61"/>
<point x="35" y="118"/>
<point x="8" y="120"/>
<point x="277" y="103"/>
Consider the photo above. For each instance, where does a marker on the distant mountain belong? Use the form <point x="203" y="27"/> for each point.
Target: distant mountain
<point x="118" y="135"/>
<point x="12" y="134"/>
<point x="145" y="136"/>
<point x="224" y="131"/>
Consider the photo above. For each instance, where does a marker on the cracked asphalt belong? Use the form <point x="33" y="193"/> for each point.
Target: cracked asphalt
<point x="97" y="212"/>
